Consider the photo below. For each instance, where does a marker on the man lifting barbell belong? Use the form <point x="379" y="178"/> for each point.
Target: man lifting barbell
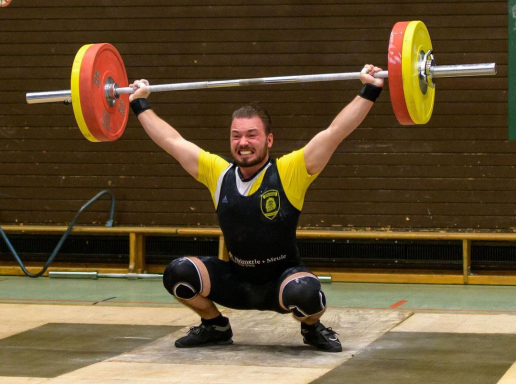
<point x="258" y="201"/>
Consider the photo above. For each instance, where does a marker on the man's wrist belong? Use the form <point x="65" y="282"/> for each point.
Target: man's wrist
<point x="370" y="92"/>
<point x="140" y="105"/>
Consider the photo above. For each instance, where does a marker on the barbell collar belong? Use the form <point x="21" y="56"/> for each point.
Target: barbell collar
<point x="437" y="71"/>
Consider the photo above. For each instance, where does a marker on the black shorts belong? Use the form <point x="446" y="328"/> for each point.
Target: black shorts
<point x="230" y="289"/>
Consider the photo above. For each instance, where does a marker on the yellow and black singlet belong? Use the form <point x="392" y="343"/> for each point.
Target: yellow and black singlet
<point x="258" y="217"/>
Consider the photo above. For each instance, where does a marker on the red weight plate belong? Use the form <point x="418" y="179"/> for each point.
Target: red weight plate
<point x="395" y="73"/>
<point x="101" y="65"/>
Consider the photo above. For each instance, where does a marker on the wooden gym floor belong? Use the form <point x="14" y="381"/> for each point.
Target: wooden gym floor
<point x="120" y="331"/>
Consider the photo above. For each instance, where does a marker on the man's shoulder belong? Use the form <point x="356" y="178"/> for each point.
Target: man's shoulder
<point x="289" y="159"/>
<point x="209" y="159"/>
<point x="211" y="166"/>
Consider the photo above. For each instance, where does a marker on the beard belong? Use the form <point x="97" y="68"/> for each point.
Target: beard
<point x="260" y="155"/>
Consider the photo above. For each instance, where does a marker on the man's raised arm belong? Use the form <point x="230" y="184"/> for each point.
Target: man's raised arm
<point x="320" y="149"/>
<point x="162" y="133"/>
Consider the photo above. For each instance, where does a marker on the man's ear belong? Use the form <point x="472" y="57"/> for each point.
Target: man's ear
<point x="270" y="140"/>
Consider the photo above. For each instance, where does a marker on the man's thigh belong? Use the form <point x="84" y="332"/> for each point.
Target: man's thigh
<point x="231" y="290"/>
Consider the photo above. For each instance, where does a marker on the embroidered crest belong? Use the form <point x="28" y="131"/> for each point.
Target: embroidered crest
<point x="270" y="203"/>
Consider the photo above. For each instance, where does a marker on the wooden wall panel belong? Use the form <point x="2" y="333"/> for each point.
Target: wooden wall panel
<point x="457" y="172"/>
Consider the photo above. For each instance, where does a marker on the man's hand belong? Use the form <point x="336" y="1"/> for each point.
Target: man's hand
<point x="141" y="90"/>
<point x="366" y="75"/>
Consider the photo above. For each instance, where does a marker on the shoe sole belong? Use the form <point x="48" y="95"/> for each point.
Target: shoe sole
<point x="332" y="349"/>
<point x="222" y="342"/>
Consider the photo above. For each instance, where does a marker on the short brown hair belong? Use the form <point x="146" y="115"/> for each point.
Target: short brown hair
<point x="251" y="110"/>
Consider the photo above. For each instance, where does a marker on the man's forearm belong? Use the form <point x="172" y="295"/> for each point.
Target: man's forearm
<point x="349" y="119"/>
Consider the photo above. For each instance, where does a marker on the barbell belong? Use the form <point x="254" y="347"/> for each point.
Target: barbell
<point x="101" y="110"/>
<point x="94" y="275"/>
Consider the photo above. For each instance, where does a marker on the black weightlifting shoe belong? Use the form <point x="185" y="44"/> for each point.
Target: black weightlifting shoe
<point x="322" y="338"/>
<point x="206" y="335"/>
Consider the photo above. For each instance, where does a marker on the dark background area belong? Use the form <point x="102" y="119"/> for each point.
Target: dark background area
<point x="457" y="172"/>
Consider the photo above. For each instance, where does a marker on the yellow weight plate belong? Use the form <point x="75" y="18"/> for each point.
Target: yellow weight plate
<point x="418" y="96"/>
<point x="76" y="94"/>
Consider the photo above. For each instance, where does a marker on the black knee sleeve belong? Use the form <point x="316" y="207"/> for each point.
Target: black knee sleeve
<point x="303" y="296"/>
<point x="182" y="279"/>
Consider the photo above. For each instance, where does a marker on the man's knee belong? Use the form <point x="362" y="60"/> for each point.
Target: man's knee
<point x="185" y="278"/>
<point x="302" y="295"/>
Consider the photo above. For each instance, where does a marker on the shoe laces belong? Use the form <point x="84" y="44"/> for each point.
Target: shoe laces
<point x="329" y="331"/>
<point x="198" y="330"/>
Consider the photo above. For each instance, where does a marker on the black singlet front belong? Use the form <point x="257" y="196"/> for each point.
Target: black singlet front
<point x="259" y="229"/>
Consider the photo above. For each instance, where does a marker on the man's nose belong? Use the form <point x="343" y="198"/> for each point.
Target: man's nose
<point x="243" y="141"/>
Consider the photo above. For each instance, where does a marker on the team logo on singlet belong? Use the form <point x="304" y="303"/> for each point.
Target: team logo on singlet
<point x="270" y="203"/>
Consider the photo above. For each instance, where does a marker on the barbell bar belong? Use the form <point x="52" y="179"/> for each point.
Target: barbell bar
<point x="437" y="71"/>
<point x="101" y="106"/>
<point x="94" y="275"/>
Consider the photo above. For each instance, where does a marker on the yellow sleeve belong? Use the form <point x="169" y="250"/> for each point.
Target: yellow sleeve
<point x="210" y="168"/>
<point x="294" y="177"/>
